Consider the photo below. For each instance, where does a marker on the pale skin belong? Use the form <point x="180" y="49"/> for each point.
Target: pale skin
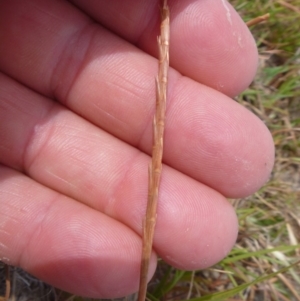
<point x="77" y="98"/>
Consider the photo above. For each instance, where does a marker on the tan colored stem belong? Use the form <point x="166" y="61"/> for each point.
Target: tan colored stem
<point x="157" y="151"/>
<point x="257" y="20"/>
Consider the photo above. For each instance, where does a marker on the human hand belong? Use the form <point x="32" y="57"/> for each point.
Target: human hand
<point x="76" y="108"/>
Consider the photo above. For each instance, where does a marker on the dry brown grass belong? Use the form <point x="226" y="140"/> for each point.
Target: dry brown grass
<point x="155" y="167"/>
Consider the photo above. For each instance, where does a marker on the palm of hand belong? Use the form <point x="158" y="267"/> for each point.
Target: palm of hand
<point x="76" y="106"/>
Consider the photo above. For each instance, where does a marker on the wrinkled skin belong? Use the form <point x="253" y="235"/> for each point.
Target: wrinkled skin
<point x="77" y="98"/>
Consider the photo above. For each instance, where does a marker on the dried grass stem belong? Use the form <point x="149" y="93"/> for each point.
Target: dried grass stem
<point x="157" y="151"/>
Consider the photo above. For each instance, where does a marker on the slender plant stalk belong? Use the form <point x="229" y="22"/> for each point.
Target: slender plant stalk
<point x="258" y="20"/>
<point x="155" y="166"/>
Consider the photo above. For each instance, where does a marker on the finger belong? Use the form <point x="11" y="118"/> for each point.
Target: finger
<point x="65" y="243"/>
<point x="209" y="41"/>
<point x="66" y="153"/>
<point x="115" y="90"/>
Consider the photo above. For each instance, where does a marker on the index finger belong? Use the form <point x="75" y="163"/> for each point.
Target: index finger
<point x="210" y="43"/>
